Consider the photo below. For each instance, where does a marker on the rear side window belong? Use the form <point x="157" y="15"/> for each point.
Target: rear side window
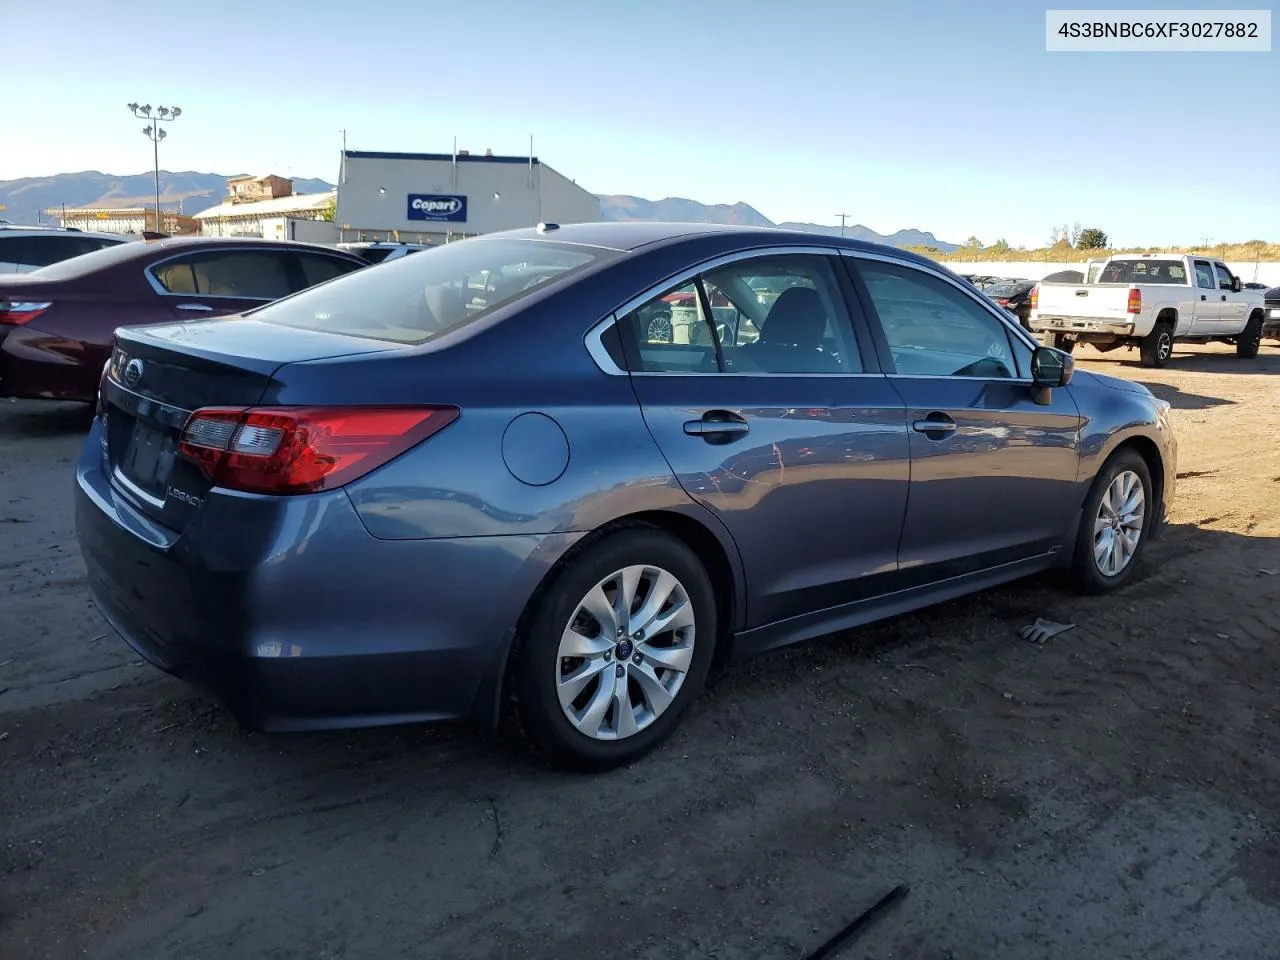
<point x="245" y="274"/>
<point x="414" y="299"/>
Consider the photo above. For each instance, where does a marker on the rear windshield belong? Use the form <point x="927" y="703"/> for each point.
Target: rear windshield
<point x="1143" y="271"/>
<point x="88" y="263"/>
<point x="413" y="299"/>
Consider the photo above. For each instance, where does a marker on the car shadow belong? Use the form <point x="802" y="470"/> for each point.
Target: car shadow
<point x="1213" y="359"/>
<point x="1181" y="399"/>
<point x="43" y="418"/>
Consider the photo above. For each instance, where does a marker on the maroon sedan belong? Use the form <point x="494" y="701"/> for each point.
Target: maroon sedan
<point x="56" y="323"/>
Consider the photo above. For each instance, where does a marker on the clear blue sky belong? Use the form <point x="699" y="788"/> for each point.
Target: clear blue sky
<point x="945" y="116"/>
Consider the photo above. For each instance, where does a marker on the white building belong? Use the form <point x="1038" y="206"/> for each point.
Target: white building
<point x="436" y="197"/>
<point x="260" y="218"/>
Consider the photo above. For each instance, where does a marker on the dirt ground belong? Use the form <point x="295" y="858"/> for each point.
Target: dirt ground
<point x="1112" y="793"/>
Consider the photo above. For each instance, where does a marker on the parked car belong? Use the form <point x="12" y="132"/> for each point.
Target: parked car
<point x="1014" y="296"/>
<point x="1255" y="286"/>
<point x="374" y="502"/>
<point x="1151" y="302"/>
<point x="56" y="323"/>
<point x="380" y="251"/>
<point x="23" y="249"/>
<point x="1271" y="325"/>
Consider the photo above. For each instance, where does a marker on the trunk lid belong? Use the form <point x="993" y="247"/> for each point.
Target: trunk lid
<point x="1096" y="301"/>
<point x="158" y="375"/>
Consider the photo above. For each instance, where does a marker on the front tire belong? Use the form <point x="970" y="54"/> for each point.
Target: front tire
<point x="618" y="647"/>
<point x="1157" y="347"/>
<point x="1116" y="522"/>
<point x="1250" y="341"/>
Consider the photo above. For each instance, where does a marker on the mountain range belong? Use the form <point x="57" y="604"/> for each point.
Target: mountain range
<point x="27" y="200"/>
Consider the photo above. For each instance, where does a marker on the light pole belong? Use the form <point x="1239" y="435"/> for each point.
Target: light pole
<point x="843" y="217"/>
<point x="155" y="133"/>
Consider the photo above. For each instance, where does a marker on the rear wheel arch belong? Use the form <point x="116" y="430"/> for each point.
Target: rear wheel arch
<point x="710" y="550"/>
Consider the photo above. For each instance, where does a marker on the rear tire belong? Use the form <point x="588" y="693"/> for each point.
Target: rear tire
<point x="618" y="700"/>
<point x="1116" y="521"/>
<point x="1157" y="347"/>
<point x="1059" y="341"/>
<point x="1249" y="342"/>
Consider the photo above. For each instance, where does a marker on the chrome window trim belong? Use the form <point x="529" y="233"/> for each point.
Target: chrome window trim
<point x="158" y="287"/>
<point x="975" y="295"/>
<point x="133" y="490"/>
<point x="595" y="345"/>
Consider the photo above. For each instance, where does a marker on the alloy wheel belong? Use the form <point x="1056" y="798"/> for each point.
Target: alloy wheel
<point x="660" y="330"/>
<point x="625" y="652"/>
<point x="1119" y="523"/>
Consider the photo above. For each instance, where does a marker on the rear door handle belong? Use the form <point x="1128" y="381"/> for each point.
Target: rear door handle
<point x="717" y="426"/>
<point x="196" y="307"/>
<point x="935" y="423"/>
<point x="1224" y="296"/>
<point x="1203" y="297"/>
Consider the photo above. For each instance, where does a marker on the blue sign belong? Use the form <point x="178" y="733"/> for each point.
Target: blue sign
<point x="424" y="206"/>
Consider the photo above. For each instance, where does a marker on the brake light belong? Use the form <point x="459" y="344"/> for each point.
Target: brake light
<point x="1135" y="300"/>
<point x="289" y="450"/>
<point x="21" y="311"/>
<point x="1035" y="297"/>
<point x="1002" y="301"/>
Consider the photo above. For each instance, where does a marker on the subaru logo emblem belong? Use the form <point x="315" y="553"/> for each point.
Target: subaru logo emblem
<point x="132" y="372"/>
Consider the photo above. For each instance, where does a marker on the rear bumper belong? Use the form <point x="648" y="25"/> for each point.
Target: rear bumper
<point x="1081" y="325"/>
<point x="295" y="617"/>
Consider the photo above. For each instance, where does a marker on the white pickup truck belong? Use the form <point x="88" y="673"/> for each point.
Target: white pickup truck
<point x="1151" y="302"/>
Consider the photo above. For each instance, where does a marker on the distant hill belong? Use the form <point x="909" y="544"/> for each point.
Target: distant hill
<point x="625" y="207"/>
<point x="856" y="231"/>
<point x="194" y="192"/>
<point x="90" y="188"/>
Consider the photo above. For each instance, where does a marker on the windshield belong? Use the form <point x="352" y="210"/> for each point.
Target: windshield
<point x="413" y="299"/>
<point x="1144" y="271"/>
<point x="1009" y="289"/>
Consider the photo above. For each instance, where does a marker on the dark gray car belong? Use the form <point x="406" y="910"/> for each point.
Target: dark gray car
<point x="468" y="482"/>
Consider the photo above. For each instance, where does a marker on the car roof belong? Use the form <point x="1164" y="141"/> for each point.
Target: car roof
<point x="627" y="236"/>
<point x="19" y="231"/>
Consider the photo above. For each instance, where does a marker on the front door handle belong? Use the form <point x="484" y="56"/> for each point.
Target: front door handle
<point x="1203" y="297"/>
<point x="1224" y="297"/>
<point x="935" y="423"/>
<point x="196" y="307"/>
<point x="717" y="426"/>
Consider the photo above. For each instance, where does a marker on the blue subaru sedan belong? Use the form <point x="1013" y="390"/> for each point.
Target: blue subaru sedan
<point x="557" y="474"/>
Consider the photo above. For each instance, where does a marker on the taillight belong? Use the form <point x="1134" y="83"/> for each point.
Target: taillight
<point x="1035" y="298"/>
<point x="287" y="450"/>
<point x="1135" y="300"/>
<point x="1002" y="301"/>
<point x="21" y="311"/>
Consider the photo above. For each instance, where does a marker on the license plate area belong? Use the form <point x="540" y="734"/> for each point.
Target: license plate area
<point x="146" y="455"/>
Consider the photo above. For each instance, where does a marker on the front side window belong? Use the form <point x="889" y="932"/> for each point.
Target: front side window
<point x="934" y="329"/>
<point x="415" y="299"/>
<point x="1225" y="280"/>
<point x="317" y="268"/>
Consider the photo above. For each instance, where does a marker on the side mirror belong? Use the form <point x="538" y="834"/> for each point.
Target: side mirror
<point x="1236" y="284"/>
<point x="1051" y="368"/>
